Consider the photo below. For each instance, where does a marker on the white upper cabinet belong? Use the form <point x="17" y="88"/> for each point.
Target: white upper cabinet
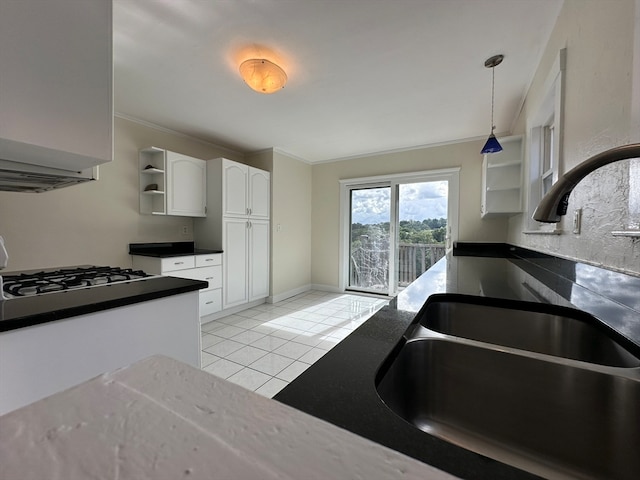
<point x="56" y="83"/>
<point x="234" y="191"/>
<point x="172" y="183"/>
<point x="246" y="190"/>
<point x="259" y="189"/>
<point x="186" y="185"/>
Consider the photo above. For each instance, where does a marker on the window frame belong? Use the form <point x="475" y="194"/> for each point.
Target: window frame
<point x="548" y="118"/>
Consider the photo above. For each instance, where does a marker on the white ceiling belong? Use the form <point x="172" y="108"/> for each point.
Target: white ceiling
<point x="365" y="76"/>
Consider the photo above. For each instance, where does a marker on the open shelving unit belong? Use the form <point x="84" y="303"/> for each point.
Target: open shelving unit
<point x="502" y="179"/>
<point x="152" y="162"/>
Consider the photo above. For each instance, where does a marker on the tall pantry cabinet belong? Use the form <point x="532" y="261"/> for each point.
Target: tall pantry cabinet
<point x="237" y="222"/>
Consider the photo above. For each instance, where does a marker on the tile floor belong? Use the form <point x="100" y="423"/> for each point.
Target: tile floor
<point x="266" y="347"/>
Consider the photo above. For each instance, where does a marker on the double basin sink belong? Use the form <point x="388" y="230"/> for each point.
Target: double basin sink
<point x="547" y="389"/>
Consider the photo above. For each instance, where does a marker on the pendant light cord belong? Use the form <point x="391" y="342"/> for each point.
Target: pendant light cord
<point x="493" y="78"/>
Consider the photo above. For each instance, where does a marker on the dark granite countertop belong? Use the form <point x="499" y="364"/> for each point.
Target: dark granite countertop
<point x="33" y="310"/>
<point x="340" y="387"/>
<point x="168" y="249"/>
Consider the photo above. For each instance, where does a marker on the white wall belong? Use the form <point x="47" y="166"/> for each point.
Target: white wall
<point x="325" y="243"/>
<point x="93" y="223"/>
<point x="600" y="113"/>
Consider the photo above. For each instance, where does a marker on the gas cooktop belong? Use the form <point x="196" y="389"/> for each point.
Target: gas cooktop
<point x="39" y="282"/>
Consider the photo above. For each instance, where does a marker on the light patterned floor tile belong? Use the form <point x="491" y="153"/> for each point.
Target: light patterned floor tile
<point x="209" y="340"/>
<point x="249" y="379"/>
<point x="267" y="346"/>
<point x="292" y="371"/>
<point x="224" y="348"/>
<point x="272" y="387"/>
<point x="246" y="355"/>
<point x="229" y="331"/>
<point x="312" y="356"/>
<point x="247" y="337"/>
<point x="292" y="350"/>
<point x="207" y="359"/>
<point x="223" y="368"/>
<point x="269" y="343"/>
<point x="271" y="363"/>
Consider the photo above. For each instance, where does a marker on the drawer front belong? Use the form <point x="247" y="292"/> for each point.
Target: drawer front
<point x="178" y="263"/>
<point x="210" y="301"/>
<point x="213" y="275"/>
<point x="208" y="260"/>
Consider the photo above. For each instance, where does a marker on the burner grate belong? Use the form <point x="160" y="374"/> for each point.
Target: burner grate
<point x="37" y="283"/>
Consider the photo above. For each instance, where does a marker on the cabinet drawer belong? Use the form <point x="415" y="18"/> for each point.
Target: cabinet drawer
<point x="210" y="301"/>
<point x="213" y="275"/>
<point x="208" y="260"/>
<point x="178" y="263"/>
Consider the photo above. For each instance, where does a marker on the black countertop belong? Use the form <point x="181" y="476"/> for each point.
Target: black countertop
<point x="168" y="249"/>
<point x="33" y="310"/>
<point x="340" y="387"/>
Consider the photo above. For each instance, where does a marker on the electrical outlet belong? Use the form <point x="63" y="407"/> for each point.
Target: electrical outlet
<point x="184" y="230"/>
<point x="577" y="220"/>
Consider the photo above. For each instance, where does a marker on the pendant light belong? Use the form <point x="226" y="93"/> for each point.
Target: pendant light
<point x="492" y="145"/>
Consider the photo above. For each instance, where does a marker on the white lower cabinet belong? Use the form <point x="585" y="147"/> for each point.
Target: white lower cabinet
<point x="258" y="259"/>
<point x="235" y="265"/>
<point x="207" y="268"/>
<point x="246" y="260"/>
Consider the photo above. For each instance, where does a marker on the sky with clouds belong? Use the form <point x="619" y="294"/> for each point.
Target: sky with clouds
<point x="418" y="201"/>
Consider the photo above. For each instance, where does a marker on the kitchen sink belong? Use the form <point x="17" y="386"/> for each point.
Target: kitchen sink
<point x="510" y="384"/>
<point x="548" y="329"/>
<point x="549" y="418"/>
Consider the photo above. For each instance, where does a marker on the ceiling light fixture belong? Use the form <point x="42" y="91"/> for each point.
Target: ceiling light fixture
<point x="492" y="145"/>
<point x="262" y="75"/>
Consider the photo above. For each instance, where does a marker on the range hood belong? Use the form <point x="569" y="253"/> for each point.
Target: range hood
<point x="22" y="177"/>
<point x="32" y="168"/>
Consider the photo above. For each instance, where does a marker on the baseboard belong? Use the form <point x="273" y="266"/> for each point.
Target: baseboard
<point x="326" y="288"/>
<point x="291" y="293"/>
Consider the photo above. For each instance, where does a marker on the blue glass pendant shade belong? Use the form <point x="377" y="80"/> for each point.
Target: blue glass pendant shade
<point x="492" y="145"/>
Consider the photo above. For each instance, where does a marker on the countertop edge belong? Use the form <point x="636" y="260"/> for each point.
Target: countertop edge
<point x="24" y="312"/>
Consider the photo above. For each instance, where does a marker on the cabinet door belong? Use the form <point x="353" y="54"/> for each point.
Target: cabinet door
<point x="259" y="193"/>
<point x="186" y="185"/>
<point x="56" y="82"/>
<point x="234" y="188"/>
<point x="234" y="262"/>
<point x="258" y="259"/>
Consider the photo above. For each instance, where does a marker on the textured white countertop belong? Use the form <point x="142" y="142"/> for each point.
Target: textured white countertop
<point x="162" y="419"/>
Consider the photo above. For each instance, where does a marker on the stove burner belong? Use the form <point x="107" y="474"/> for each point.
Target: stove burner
<point x="36" y="283"/>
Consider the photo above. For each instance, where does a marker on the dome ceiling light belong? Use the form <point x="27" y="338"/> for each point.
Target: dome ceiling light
<point x="262" y="75"/>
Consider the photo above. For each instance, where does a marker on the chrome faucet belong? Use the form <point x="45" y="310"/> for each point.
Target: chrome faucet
<point x="555" y="202"/>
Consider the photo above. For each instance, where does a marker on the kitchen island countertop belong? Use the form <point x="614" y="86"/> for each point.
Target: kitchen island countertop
<point x="162" y="419"/>
<point x="38" y="309"/>
<point x="340" y="387"/>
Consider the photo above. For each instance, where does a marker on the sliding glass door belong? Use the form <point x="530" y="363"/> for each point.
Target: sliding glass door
<point x="370" y="239"/>
<point x="422" y="228"/>
<point x="396" y="229"/>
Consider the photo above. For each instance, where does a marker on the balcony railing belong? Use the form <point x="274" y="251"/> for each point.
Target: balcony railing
<point x="416" y="258"/>
<point x="370" y="265"/>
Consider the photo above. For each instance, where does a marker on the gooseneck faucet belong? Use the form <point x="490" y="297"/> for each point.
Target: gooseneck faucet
<point x="555" y="202"/>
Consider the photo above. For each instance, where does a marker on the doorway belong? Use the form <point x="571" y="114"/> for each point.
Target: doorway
<point x="395" y="228"/>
